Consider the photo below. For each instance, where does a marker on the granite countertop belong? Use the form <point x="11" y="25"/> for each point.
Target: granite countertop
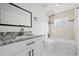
<point x="18" y="39"/>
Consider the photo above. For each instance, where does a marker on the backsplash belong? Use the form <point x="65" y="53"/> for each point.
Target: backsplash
<point x="11" y="35"/>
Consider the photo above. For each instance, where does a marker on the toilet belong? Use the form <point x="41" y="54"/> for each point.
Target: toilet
<point x="49" y="45"/>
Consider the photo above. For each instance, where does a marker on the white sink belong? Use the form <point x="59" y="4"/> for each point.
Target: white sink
<point x="23" y="38"/>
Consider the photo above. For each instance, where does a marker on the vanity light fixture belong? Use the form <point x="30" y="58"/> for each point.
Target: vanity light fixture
<point x="36" y="18"/>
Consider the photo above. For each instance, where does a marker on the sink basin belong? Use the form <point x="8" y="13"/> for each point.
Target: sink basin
<point x="22" y="37"/>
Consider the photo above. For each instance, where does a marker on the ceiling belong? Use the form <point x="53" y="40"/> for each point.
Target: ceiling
<point x="49" y="8"/>
<point x="52" y="8"/>
<point x="58" y="7"/>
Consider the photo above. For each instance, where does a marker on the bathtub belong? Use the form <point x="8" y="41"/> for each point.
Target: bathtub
<point x="59" y="47"/>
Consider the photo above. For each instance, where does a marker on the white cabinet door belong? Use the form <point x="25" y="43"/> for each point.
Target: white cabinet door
<point x="25" y="52"/>
<point x="37" y="51"/>
<point x="21" y="53"/>
<point x="38" y="46"/>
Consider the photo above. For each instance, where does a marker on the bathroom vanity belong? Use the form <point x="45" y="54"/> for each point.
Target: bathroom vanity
<point x="30" y="46"/>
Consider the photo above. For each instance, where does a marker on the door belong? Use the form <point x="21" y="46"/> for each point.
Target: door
<point x="24" y="52"/>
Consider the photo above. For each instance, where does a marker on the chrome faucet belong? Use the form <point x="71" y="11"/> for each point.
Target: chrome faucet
<point x="21" y="32"/>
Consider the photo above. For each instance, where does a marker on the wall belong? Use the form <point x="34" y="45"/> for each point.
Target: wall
<point x="38" y="27"/>
<point x="77" y="29"/>
<point x="65" y="31"/>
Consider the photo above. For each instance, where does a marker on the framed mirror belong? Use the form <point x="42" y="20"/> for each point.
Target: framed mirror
<point x="14" y="15"/>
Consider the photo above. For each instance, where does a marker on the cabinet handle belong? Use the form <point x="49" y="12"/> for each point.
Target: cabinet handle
<point x="30" y="43"/>
<point x="32" y="52"/>
<point x="29" y="53"/>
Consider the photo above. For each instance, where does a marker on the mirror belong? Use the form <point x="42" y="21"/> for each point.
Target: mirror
<point x="14" y="15"/>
